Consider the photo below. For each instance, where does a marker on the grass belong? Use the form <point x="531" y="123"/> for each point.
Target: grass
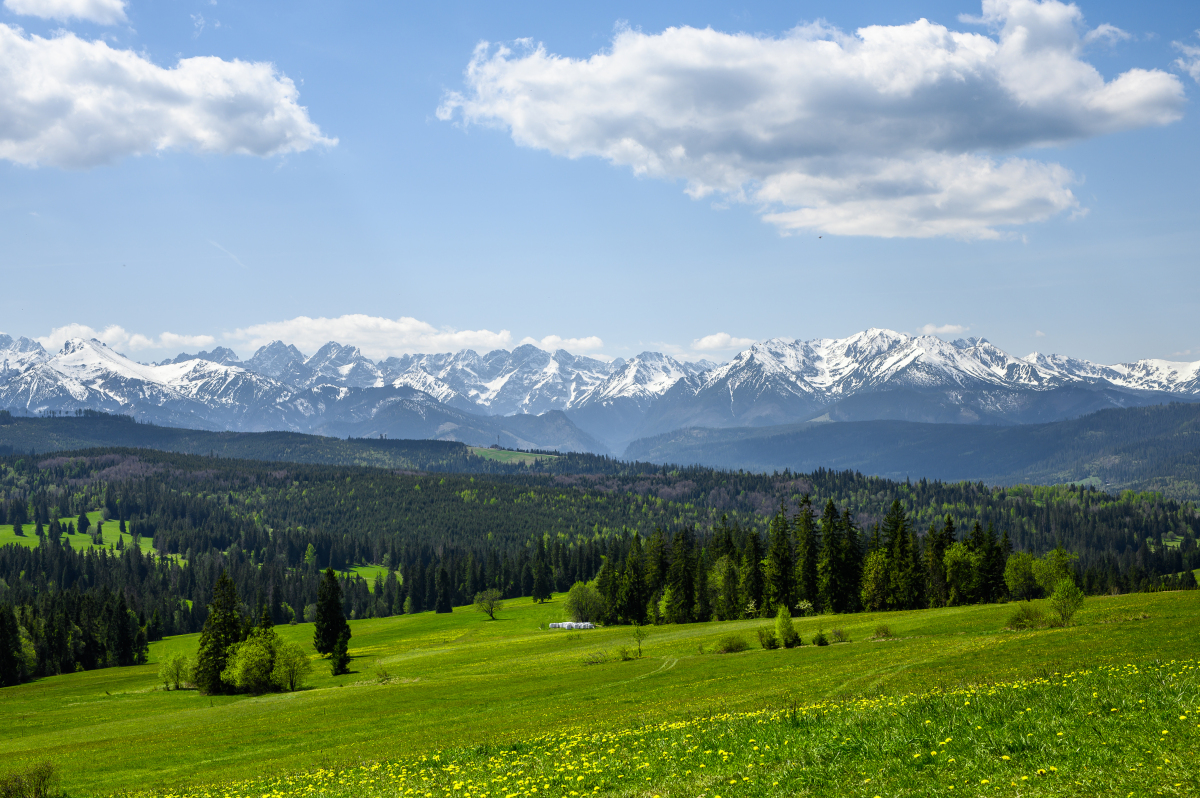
<point x="508" y="456"/>
<point x="491" y="693"/>
<point x="369" y="572"/>
<point x="79" y="542"/>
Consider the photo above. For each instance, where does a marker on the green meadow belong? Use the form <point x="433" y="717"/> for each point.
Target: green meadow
<point x="459" y="682"/>
<point x="79" y="542"/>
<point x="509" y="457"/>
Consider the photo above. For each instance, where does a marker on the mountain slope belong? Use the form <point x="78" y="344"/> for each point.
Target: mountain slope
<point x="1145" y="448"/>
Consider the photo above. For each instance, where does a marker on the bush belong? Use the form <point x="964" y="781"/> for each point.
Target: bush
<point x="785" y="630"/>
<point x="883" y="632"/>
<point x="1024" y="616"/>
<point x="766" y="638"/>
<point x="731" y="644"/>
<point x="623" y="653"/>
<point x="292" y="666"/>
<point x="174" y="670"/>
<point x="819" y="639"/>
<point x="805" y="608"/>
<point x="584" y="603"/>
<point x="839" y="636"/>
<point x="595" y="658"/>
<point x="35" y="781"/>
<point x="1066" y="600"/>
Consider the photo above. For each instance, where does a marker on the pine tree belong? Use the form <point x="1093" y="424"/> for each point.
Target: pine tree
<point x="808" y="548"/>
<point x="631" y="593"/>
<point x="936" y="543"/>
<point x="897" y="541"/>
<point x="681" y="579"/>
<point x="656" y="562"/>
<point x="331" y="620"/>
<point x="541" y="575"/>
<point x="339" y="659"/>
<point x="751" y="587"/>
<point x="443" y="591"/>
<point x="703" y="609"/>
<point x="222" y="629"/>
<point x="852" y="565"/>
<point x="83" y="523"/>
<point x="11" y="668"/>
<point x="779" y="575"/>
<point x="829" y="563"/>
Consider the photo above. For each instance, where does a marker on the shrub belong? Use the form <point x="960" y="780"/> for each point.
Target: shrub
<point x="623" y="653"/>
<point x="1066" y="600"/>
<point x="381" y="672"/>
<point x="584" y="603"/>
<point x="883" y="632"/>
<point x="767" y="639"/>
<point x="292" y="666"/>
<point x="785" y="630"/>
<point x="731" y="644"/>
<point x="595" y="658"/>
<point x="819" y="639"/>
<point x="35" y="781"/>
<point x="174" y="670"/>
<point x="839" y="636"/>
<point x="1024" y="616"/>
<point x="805" y="608"/>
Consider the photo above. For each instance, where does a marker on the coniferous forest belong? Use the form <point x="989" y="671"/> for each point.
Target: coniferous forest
<point x="656" y="545"/>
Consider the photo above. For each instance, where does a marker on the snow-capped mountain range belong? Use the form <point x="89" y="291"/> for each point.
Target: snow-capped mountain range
<point x="582" y="402"/>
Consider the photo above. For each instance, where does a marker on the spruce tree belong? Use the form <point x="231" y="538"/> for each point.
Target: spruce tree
<point x="657" y="562"/>
<point x="852" y="564"/>
<point x="901" y="593"/>
<point x="339" y="659"/>
<point x="779" y="575"/>
<point x="83" y="523"/>
<point x="11" y="666"/>
<point x="222" y="629"/>
<point x="331" y="621"/>
<point x="703" y="609"/>
<point x="829" y="563"/>
<point x="632" y="593"/>
<point x="751" y="587"/>
<point x="541" y="575"/>
<point x="443" y="591"/>
<point x="936" y="543"/>
<point x="808" y="548"/>
<point x="681" y="579"/>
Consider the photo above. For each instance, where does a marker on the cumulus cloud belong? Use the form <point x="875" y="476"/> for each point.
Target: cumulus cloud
<point x="118" y="337"/>
<point x="943" y="329"/>
<point x="1039" y="334"/>
<point x="102" y="12"/>
<point x="904" y="130"/>
<point x="73" y="103"/>
<point x="377" y="337"/>
<point x="552" y="342"/>
<point x="1190" y="62"/>
<point x="720" y="341"/>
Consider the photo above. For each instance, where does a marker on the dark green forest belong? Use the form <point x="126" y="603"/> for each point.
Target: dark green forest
<point x="661" y="544"/>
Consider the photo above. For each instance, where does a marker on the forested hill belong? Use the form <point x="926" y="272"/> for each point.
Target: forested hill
<point x="112" y="547"/>
<point x="91" y="429"/>
<point x="1143" y="448"/>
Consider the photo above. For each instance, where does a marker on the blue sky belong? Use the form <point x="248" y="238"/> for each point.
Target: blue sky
<point x="517" y="213"/>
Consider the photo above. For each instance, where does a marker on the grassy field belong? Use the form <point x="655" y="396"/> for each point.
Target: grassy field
<point x="77" y="541"/>
<point x="457" y="698"/>
<point x="506" y="456"/>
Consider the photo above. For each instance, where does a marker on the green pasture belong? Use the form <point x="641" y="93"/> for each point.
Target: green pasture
<point x="369" y="572"/>
<point x="508" y="457"/>
<point x="427" y="682"/>
<point x="80" y="542"/>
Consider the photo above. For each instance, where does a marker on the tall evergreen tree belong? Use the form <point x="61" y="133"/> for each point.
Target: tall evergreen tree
<point x="703" y="609"/>
<point x="444" y="602"/>
<point x="657" y="561"/>
<point x="608" y="584"/>
<point x="681" y="579"/>
<point x="936" y="543"/>
<point x="779" y="575"/>
<point x="852" y="563"/>
<point x="902" y="594"/>
<point x="632" y="594"/>
<point x="830" y="568"/>
<point x="222" y="629"/>
<point x="751" y="587"/>
<point x="541" y="575"/>
<point x="808" y="549"/>
<point x="331" y="619"/>
<point x="11" y="665"/>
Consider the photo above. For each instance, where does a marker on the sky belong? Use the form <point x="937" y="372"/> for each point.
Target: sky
<point x="607" y="178"/>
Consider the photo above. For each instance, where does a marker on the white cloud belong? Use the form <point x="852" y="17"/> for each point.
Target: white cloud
<point x="72" y="103"/>
<point x="943" y="329"/>
<point x="118" y="337"/>
<point x="102" y="12"/>
<point x="720" y="341"/>
<point x="889" y="131"/>
<point x="377" y="337"/>
<point x="552" y="342"/>
<point x="1039" y="334"/>
<point x="1190" y="62"/>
